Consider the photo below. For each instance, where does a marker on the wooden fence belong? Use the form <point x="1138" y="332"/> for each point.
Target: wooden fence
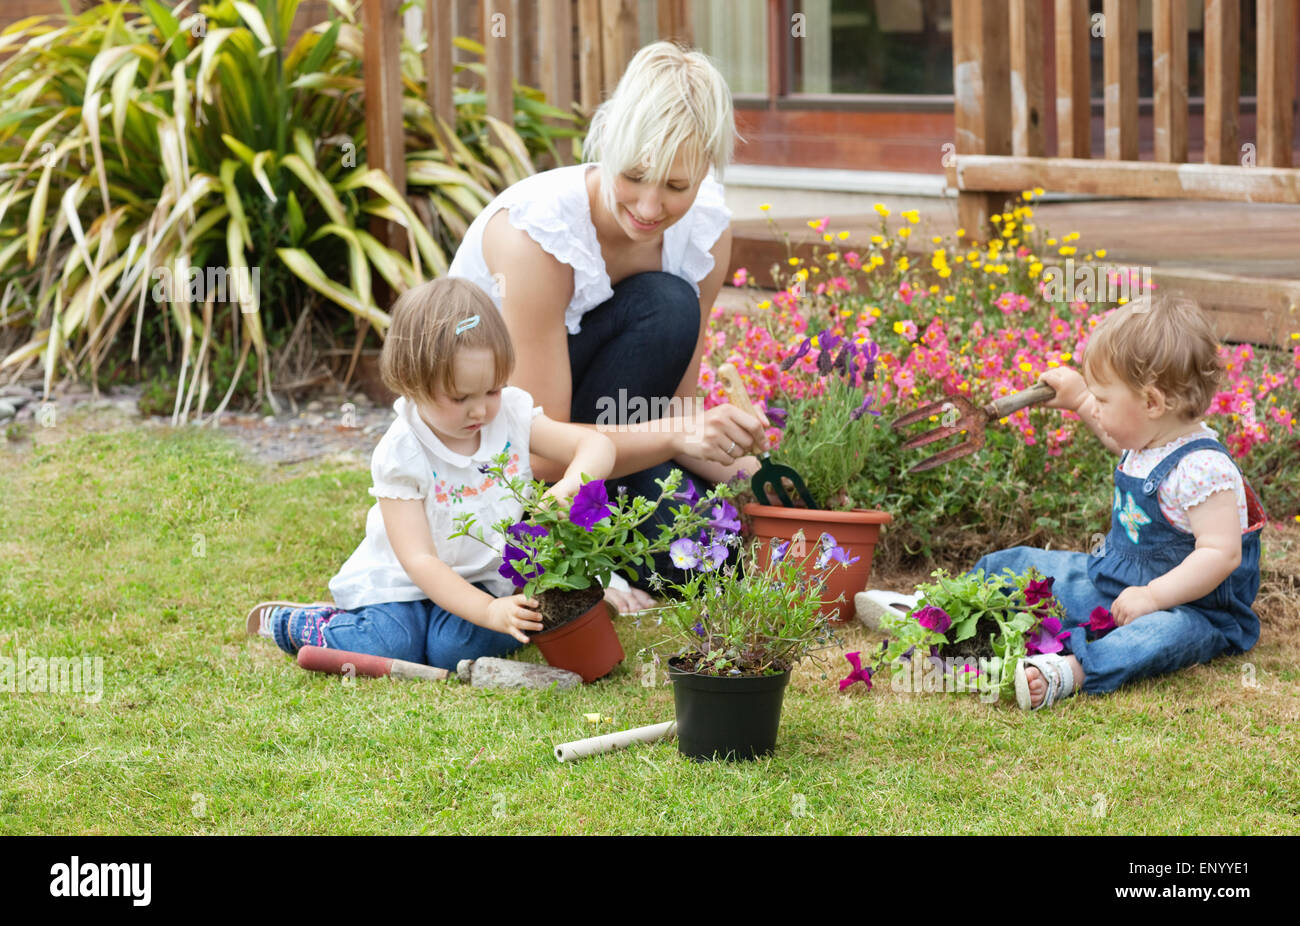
<point x="999" y="113"/>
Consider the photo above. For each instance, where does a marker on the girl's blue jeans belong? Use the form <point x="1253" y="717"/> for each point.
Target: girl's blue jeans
<point x="417" y="631"/>
<point x="1153" y="644"/>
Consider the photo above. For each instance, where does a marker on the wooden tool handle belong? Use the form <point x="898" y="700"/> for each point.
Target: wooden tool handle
<point x="737" y="394"/>
<point x="1034" y="395"/>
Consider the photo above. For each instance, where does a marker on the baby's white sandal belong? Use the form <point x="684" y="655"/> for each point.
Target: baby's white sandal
<point x="1056" y="673"/>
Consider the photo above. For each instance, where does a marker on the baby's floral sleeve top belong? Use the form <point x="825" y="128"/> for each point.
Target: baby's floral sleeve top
<point x="410" y="462"/>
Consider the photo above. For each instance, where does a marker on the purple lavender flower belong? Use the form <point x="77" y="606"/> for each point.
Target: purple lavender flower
<point x="779" y="551"/>
<point x="864" y="408"/>
<point x="717" y="555"/>
<point x="790" y="361"/>
<point x="698" y="629"/>
<point x="591" y="505"/>
<point x="777" y="417"/>
<point x="932" y="618"/>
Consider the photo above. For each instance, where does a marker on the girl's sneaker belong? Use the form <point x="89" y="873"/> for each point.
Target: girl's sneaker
<point x="875" y="603"/>
<point x="258" y="622"/>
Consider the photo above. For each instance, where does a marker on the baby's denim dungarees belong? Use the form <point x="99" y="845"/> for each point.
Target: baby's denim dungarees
<point x="1142" y="546"/>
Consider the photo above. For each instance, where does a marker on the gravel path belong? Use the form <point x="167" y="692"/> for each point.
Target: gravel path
<point x="335" y="425"/>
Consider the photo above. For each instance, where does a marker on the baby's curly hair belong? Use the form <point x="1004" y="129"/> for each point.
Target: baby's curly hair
<point x="1164" y="341"/>
<point x="416" y="360"/>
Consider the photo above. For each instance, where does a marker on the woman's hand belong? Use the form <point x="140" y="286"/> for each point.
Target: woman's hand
<point x="1132" y="603"/>
<point x="723" y="435"/>
<point x="514" y="614"/>
<point x="1070" y="388"/>
<point x="630" y="601"/>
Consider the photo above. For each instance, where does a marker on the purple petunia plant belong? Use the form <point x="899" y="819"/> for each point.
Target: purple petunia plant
<point x="583" y="543"/>
<point x="759" y="615"/>
<point x="1003" y="618"/>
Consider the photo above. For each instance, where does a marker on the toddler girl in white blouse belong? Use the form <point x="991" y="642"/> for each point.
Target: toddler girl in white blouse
<point x="409" y="590"/>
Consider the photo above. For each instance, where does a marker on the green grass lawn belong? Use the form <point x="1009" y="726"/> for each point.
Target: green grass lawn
<point x="146" y="548"/>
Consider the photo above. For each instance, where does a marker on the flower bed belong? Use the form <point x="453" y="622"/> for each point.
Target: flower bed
<point x="984" y="321"/>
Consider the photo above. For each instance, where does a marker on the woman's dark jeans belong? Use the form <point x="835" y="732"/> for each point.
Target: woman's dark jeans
<point x="640" y="341"/>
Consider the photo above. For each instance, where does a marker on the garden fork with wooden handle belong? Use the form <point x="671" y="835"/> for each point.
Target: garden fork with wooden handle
<point x="769" y="475"/>
<point x="959" y="416"/>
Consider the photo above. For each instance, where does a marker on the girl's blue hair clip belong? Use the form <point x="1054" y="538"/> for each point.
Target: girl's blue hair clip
<point x="467" y="323"/>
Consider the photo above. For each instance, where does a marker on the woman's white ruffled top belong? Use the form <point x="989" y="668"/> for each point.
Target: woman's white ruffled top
<point x="554" y="209"/>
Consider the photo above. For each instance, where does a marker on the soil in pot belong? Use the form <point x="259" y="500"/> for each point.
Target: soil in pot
<point x="724" y="717"/>
<point x="976" y="647"/>
<point x="558" y="606"/>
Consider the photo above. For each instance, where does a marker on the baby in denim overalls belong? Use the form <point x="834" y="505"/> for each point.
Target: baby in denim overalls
<point x="1179" y="569"/>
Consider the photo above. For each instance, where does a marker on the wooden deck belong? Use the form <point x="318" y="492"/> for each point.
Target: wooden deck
<point x="1189" y="246"/>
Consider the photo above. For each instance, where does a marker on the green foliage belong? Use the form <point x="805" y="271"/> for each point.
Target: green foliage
<point x="144" y="144"/>
<point x="995" y="606"/>
<point x="755" y="617"/>
<point x="554" y="552"/>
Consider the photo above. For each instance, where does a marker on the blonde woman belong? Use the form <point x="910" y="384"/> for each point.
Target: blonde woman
<point x="605" y="273"/>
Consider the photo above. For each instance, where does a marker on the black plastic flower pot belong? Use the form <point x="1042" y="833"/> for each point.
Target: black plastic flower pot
<point x="726" y="717"/>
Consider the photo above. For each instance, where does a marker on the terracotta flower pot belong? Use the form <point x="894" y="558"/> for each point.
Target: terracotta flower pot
<point x="588" y="645"/>
<point x="856" y="531"/>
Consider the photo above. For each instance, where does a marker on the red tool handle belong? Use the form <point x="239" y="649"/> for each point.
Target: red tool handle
<point x="344" y="662"/>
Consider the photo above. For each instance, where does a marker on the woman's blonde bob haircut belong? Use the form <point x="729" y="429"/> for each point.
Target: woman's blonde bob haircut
<point x="422" y="340"/>
<point x="669" y="101"/>
<point x="1167" y="343"/>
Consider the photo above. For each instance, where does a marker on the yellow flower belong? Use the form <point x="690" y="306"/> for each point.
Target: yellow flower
<point x="1026" y="367"/>
<point x="1035" y="269"/>
<point x="995" y="217"/>
<point x="828" y="237"/>
<point x="1038" y="191"/>
<point x="765" y="206"/>
<point x="934" y="288"/>
<point x="882" y="209"/>
<point x="832" y="256"/>
<point x="898" y="327"/>
<point x="1067" y="250"/>
<point x="903" y="265"/>
<point x="1051" y="242"/>
<point x="765" y="304"/>
<point x="875" y="312"/>
<point x="815" y="270"/>
<point x="1072" y="236"/>
<point x="1295" y="335"/>
<point x="937" y="240"/>
<point x="1013" y="242"/>
<point x="1101" y="252"/>
<point x="1053" y="363"/>
<point x="975" y="265"/>
<point x="1065" y="358"/>
<point x="961" y="233"/>
<point x="1122" y="300"/>
<point x="844" y="236"/>
<point x="1028" y="228"/>
<point x="795" y="262"/>
<point x="904" y="232"/>
<point x="1027" y="195"/>
<point x="877" y="239"/>
<point x="802" y="274"/>
<point x="949" y="298"/>
<point x="911" y="215"/>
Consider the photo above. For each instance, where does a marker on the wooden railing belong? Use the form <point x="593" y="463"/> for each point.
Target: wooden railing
<point x="999" y="114"/>
<point x="529" y="40"/>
